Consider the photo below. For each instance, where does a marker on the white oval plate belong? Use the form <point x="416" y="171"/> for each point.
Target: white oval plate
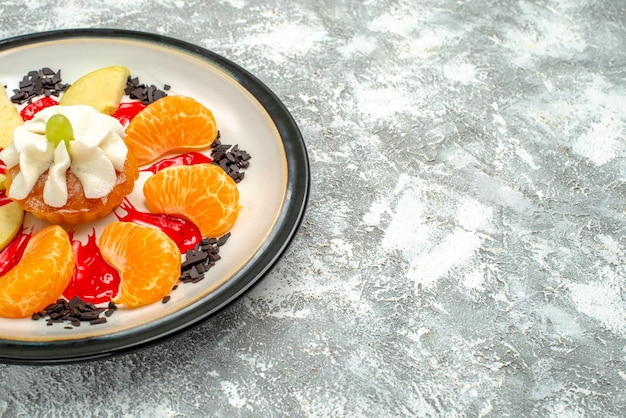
<point x="273" y="194"/>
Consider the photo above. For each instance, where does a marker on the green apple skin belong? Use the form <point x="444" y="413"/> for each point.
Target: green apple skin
<point x="102" y="89"/>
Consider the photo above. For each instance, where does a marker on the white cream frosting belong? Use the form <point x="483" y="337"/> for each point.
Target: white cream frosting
<point x="97" y="151"/>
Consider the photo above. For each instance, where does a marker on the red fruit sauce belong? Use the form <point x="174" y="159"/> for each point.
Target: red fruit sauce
<point x="189" y="158"/>
<point x="12" y="253"/>
<point x="183" y="232"/>
<point x="4" y="199"/>
<point x="127" y="111"/>
<point x="30" y="110"/>
<point x="94" y="280"/>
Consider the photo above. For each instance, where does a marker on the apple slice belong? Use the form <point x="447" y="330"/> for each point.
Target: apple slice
<point x="9" y="119"/>
<point x="11" y="217"/>
<point x="102" y="89"/>
<point x="2" y="180"/>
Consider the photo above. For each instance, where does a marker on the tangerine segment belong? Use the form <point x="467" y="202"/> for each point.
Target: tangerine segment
<point x="41" y="276"/>
<point x="173" y="123"/>
<point x="201" y="193"/>
<point x="147" y="259"/>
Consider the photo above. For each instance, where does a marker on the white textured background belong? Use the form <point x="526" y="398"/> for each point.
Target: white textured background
<point x="463" y="252"/>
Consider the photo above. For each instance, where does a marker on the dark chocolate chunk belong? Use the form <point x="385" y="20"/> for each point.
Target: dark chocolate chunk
<point x="74" y="311"/>
<point x="222" y="240"/>
<point x="142" y="92"/>
<point x="194" y="273"/>
<point x="200" y="260"/>
<point x="37" y="83"/>
<point x="231" y="159"/>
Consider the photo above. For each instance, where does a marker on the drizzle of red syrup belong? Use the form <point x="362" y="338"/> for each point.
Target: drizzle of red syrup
<point x="4" y="199"/>
<point x="94" y="280"/>
<point x="30" y="110"/>
<point x="127" y="111"/>
<point x="189" y="158"/>
<point x="184" y="233"/>
<point x="12" y="253"/>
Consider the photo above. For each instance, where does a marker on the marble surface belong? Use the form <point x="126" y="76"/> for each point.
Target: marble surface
<point x="463" y="253"/>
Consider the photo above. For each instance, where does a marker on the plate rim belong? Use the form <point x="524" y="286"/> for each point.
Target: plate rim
<point x="288" y="223"/>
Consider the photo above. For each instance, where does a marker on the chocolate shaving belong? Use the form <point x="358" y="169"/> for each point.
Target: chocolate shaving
<point x="146" y="94"/>
<point x="44" y="82"/>
<point x="200" y="260"/>
<point x="74" y="311"/>
<point x="231" y="159"/>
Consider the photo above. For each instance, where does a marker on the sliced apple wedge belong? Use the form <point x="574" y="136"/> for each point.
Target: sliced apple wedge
<point x="9" y="119"/>
<point x="11" y="217"/>
<point x="102" y="89"/>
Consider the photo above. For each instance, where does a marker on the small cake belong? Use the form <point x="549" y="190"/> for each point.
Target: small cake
<point x="69" y="164"/>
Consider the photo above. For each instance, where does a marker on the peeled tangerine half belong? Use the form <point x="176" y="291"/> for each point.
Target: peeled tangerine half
<point x="146" y="258"/>
<point x="40" y="277"/>
<point x="173" y="123"/>
<point x="201" y="193"/>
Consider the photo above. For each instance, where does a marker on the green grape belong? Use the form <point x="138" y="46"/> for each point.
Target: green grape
<point x="59" y="128"/>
